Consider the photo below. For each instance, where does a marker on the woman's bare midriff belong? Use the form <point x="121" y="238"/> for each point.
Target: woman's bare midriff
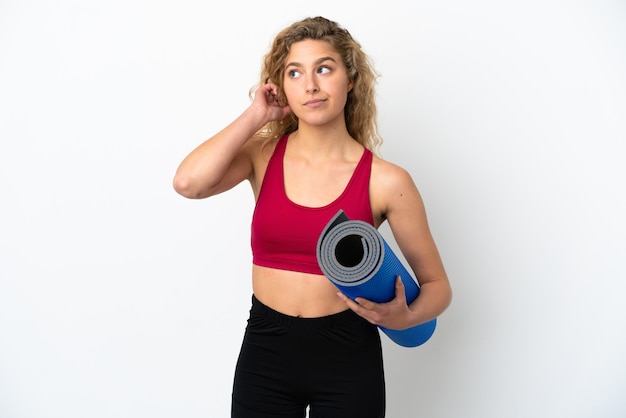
<point x="296" y="294"/>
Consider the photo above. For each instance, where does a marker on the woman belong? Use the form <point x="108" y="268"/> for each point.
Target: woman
<point x="305" y="145"/>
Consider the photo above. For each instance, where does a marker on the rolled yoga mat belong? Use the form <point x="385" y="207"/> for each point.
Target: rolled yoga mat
<point x="358" y="260"/>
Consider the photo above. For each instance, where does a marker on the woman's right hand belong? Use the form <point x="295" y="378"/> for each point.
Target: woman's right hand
<point x="267" y="101"/>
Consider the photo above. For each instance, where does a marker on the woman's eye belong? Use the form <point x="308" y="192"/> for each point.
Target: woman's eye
<point x="294" y="73"/>
<point x="323" y="70"/>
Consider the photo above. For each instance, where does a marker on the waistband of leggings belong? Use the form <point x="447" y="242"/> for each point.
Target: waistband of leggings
<point x="340" y="319"/>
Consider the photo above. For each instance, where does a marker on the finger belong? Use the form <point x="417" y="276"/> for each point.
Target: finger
<point x="366" y="303"/>
<point x="368" y="315"/>
<point x="358" y="305"/>
<point x="343" y="297"/>
<point x="351" y="304"/>
<point x="273" y="97"/>
<point x="400" y="290"/>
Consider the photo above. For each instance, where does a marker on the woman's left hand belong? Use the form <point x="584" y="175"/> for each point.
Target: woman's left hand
<point x="394" y="314"/>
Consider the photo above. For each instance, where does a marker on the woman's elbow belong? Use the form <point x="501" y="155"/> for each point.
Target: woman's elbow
<point x="184" y="187"/>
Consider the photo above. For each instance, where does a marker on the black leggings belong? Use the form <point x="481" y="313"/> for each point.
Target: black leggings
<point x="332" y="364"/>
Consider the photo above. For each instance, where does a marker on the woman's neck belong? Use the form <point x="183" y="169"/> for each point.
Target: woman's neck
<point x="323" y="144"/>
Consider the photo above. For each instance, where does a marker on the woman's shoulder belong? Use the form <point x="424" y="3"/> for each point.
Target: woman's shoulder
<point x="391" y="187"/>
<point x="387" y="173"/>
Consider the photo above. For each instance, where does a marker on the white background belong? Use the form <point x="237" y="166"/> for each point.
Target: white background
<point x="119" y="298"/>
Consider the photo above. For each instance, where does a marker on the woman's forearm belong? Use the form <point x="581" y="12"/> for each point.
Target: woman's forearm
<point x="201" y="173"/>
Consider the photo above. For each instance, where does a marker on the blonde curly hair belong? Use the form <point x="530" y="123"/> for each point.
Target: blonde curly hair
<point x="360" y="109"/>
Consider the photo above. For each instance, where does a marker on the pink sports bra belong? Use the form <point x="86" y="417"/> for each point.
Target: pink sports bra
<point x="284" y="234"/>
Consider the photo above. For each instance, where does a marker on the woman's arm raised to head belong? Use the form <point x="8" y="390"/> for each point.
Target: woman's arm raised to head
<point x="224" y="160"/>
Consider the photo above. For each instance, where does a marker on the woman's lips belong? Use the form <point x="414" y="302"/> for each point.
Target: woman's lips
<point x="315" y="103"/>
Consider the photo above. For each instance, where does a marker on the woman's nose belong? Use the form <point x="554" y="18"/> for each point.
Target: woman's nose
<point x="312" y="87"/>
